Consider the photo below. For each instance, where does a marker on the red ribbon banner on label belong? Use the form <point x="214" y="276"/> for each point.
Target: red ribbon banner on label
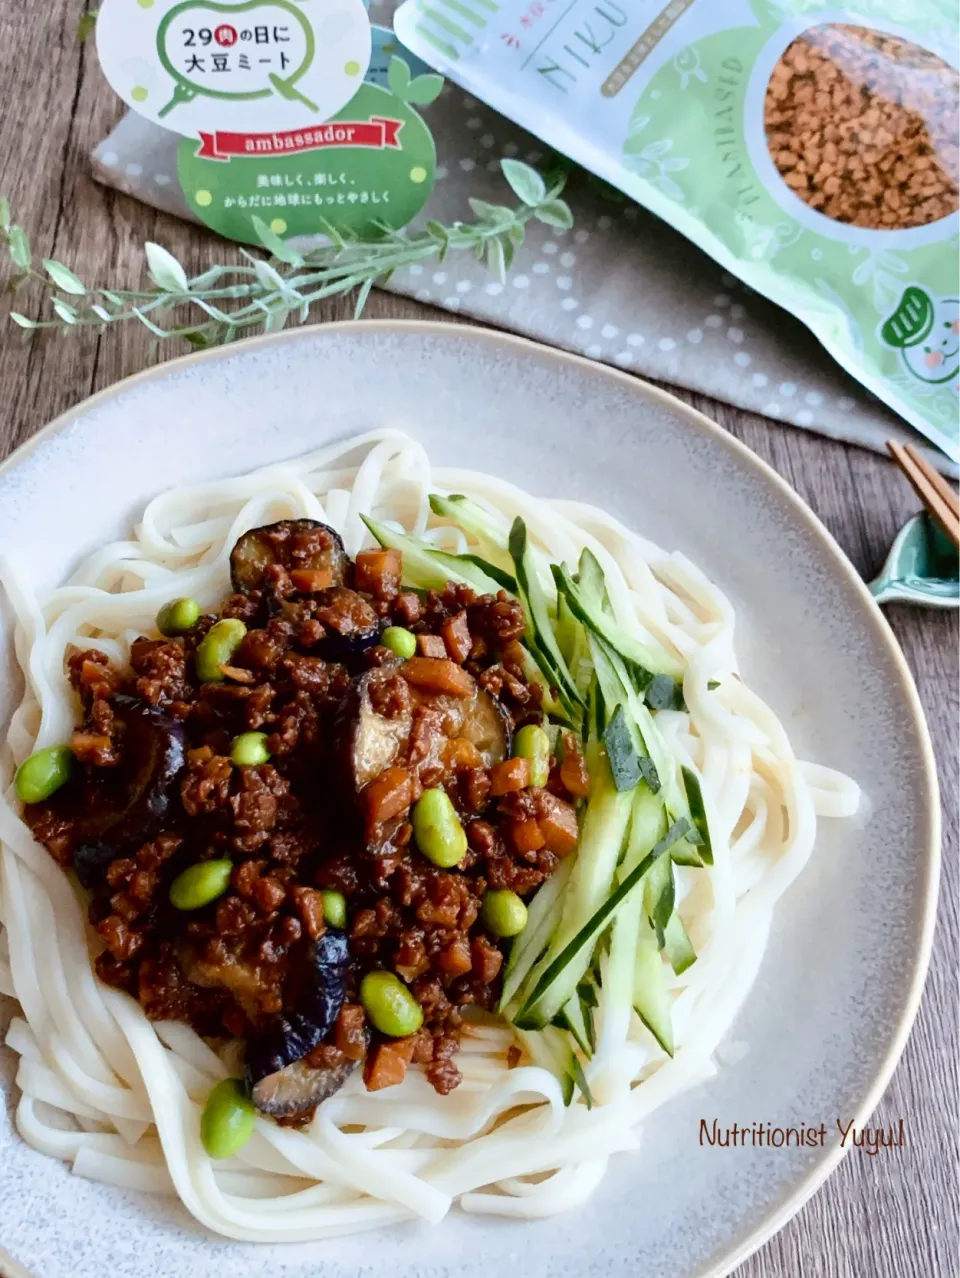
<point x="377" y="133"/>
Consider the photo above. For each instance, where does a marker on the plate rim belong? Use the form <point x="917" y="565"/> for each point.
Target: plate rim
<point x="777" y="1217"/>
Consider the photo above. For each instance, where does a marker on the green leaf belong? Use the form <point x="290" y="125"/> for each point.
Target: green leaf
<point x="4" y="214"/>
<point x="509" y="253"/>
<point x="581" y="1080"/>
<point x="398" y="78"/>
<point x="65" y="311"/>
<point x="269" y="239"/>
<point x="437" y="231"/>
<point x="165" y="271"/>
<point x="199" y="341"/>
<point x="86" y="25"/>
<point x="362" y="296"/>
<point x="526" y="183"/>
<point x="276" y="320"/>
<point x="19" y="248"/>
<point x="554" y="213"/>
<point x="270" y="277"/>
<point x="491" y="214"/>
<point x="496" y="261"/>
<point x="22" y="320"/>
<point x="423" y="90"/>
<point x="516" y="234"/>
<point x="64" y="278"/>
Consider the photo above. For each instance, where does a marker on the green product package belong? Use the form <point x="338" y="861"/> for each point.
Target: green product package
<point x="812" y="151"/>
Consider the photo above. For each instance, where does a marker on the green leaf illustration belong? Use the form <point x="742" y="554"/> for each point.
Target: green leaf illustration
<point x="527" y="184"/>
<point x="423" y="90"/>
<point x="398" y="78"/>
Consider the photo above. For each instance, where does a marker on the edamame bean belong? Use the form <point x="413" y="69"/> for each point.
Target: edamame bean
<point x="437" y="829"/>
<point x="227" y="1121"/>
<point x="200" y="884"/>
<point x="391" y="1007"/>
<point x="334" y="908"/>
<point x="249" y="749"/>
<point x="502" y="913"/>
<point x="43" y="773"/>
<point x="402" y="642"/>
<point x="178" y="616"/>
<point x="217" y="647"/>
<point x="533" y="743"/>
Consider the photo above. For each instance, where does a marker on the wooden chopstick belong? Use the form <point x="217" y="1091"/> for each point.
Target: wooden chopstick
<point x="932" y="489"/>
<point x="937" y="480"/>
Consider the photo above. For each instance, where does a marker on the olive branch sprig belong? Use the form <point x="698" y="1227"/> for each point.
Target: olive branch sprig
<point x="231" y="300"/>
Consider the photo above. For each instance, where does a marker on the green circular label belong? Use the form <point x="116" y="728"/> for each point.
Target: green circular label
<point x="371" y="165"/>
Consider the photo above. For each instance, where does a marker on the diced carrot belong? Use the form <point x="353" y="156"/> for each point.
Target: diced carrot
<point x="387" y="796"/>
<point x="431" y="646"/>
<point x="457" y="754"/>
<point x="349" y="1035"/>
<point x="456" y="636"/>
<point x="93" y="675"/>
<point x="386" y="1065"/>
<point x="441" y="677"/>
<point x="513" y="657"/>
<point x="379" y="572"/>
<point x="558" y="824"/>
<point x="527" y="835"/>
<point x="573" y="770"/>
<point x="486" y="959"/>
<point x="512" y="774"/>
<point x="455" y="959"/>
<point x="310" y="580"/>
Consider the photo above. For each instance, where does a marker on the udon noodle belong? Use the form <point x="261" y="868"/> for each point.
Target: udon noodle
<point x="119" y="1097"/>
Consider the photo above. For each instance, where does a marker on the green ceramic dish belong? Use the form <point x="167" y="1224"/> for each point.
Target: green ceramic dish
<point x="923" y="567"/>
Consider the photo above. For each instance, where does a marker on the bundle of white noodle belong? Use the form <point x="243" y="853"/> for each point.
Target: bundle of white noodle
<point x="120" y="1097"/>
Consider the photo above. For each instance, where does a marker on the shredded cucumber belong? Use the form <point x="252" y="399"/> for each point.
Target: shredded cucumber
<point x="473" y="519"/>
<point x="425" y="568"/>
<point x="543" y="917"/>
<point x="551" y="1049"/>
<point x="677" y="945"/>
<point x="605" y="826"/>
<point x="541" y="639"/>
<point x="647" y="658"/>
<point x="554" y="985"/>
<point x="651" y="998"/>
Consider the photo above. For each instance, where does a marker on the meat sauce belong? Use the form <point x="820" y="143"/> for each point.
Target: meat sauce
<point x="355" y="734"/>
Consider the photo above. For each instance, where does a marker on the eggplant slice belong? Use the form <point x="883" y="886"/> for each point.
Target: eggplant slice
<point x="351" y="624"/>
<point x="129" y="808"/>
<point x="369" y="742"/>
<point x="289" y="1038"/>
<point x="291" y="543"/>
<point x="486" y="725"/>
<point x="298" y="1087"/>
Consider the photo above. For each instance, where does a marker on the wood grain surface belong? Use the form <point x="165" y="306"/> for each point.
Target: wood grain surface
<point x="891" y="1216"/>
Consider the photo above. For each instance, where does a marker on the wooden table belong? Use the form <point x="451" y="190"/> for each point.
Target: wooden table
<point x="894" y="1215"/>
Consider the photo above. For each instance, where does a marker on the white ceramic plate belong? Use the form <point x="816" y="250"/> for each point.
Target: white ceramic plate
<point x="825" y="1023"/>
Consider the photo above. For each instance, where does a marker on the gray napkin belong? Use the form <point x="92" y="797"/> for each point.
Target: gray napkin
<point x="621" y="286"/>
